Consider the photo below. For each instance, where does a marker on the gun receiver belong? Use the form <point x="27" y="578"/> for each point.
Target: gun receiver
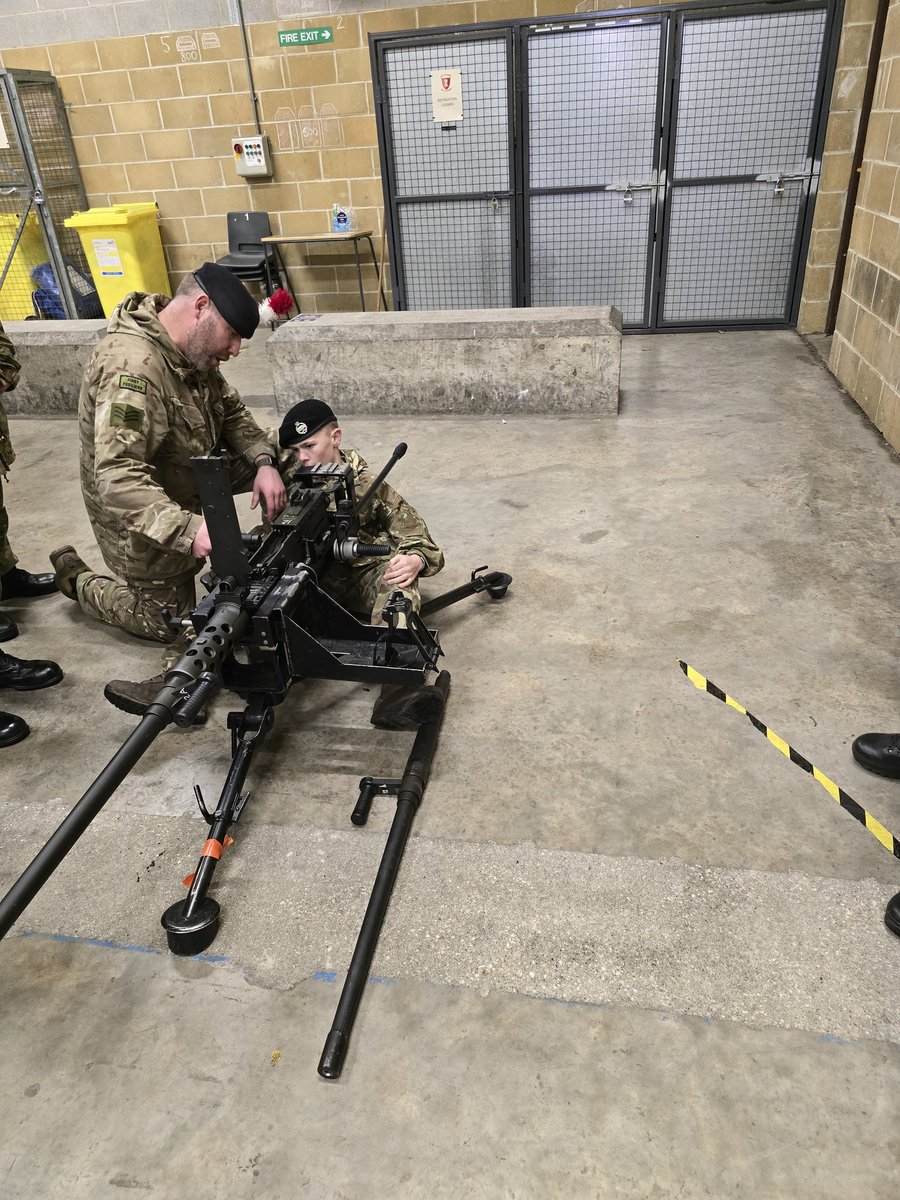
<point x="265" y="601"/>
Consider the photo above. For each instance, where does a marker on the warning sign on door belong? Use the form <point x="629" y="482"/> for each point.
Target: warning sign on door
<point x="446" y="95"/>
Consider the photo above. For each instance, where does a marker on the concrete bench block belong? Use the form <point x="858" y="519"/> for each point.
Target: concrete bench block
<point x="495" y="360"/>
<point x="53" y="355"/>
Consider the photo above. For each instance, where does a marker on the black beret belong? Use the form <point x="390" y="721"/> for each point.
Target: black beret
<point x="304" y="419"/>
<point x="230" y="297"/>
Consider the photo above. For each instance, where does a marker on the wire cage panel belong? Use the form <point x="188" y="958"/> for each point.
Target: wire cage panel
<point x="592" y="105"/>
<point x="471" y="155"/>
<point x="63" y="193"/>
<point x="591" y="248"/>
<point x="40" y="187"/>
<point x="456" y="254"/>
<point x="731" y="252"/>
<point x="747" y="93"/>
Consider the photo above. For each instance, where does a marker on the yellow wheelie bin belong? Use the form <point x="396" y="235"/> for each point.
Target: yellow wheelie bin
<point x="123" y="249"/>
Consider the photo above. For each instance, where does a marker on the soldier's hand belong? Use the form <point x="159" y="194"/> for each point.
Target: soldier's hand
<point x="201" y="545"/>
<point x="269" y="488"/>
<point x="403" y="570"/>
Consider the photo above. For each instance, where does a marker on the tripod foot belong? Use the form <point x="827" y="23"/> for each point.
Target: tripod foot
<point x="191" y="935"/>
<point x="497" y="589"/>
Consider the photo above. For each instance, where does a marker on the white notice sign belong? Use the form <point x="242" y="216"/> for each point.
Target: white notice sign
<point x="108" y="256"/>
<point x="4" y="140"/>
<point x="446" y="95"/>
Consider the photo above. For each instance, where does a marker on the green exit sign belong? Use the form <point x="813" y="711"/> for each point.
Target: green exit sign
<point x="306" y="37"/>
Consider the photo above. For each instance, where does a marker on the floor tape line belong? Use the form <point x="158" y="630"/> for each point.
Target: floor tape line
<point x="874" y="826"/>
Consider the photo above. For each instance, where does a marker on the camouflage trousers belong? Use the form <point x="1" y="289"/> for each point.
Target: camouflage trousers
<point x="139" y="609"/>
<point x="359" y="588"/>
<point x="7" y="559"/>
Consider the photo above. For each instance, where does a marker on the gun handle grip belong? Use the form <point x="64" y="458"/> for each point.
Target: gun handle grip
<point x="360" y="814"/>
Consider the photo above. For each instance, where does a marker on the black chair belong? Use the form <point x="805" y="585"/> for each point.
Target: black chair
<point x="251" y="260"/>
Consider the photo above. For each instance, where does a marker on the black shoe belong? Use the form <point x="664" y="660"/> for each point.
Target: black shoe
<point x="8" y="629"/>
<point x="17" y="582"/>
<point x="407" y="707"/>
<point x="892" y="914"/>
<point x="23" y="675"/>
<point x="879" y="752"/>
<point x="12" y="729"/>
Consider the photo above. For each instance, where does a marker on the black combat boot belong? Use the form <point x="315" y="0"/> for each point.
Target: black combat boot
<point x="27" y="675"/>
<point x="879" y="752"/>
<point x="17" y="582"/>
<point x="12" y="729"/>
<point x="8" y="629"/>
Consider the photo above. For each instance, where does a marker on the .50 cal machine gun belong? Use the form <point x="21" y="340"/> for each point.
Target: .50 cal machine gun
<point x="265" y="601"/>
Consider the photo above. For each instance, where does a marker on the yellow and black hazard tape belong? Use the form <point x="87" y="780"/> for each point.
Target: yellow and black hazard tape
<point x="846" y="802"/>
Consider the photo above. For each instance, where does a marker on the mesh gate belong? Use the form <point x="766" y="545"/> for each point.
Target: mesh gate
<point x="594" y="98"/>
<point x="451" y="198"/>
<point x="742" y="165"/>
<point x="664" y="163"/>
<point x="42" y="264"/>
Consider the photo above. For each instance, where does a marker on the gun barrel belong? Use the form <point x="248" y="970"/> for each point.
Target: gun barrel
<point x="205" y="654"/>
<point x="409" y="795"/>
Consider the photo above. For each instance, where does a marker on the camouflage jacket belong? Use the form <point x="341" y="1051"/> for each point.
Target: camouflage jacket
<point x="389" y="520"/>
<point x="144" y="411"/>
<point x="9" y="377"/>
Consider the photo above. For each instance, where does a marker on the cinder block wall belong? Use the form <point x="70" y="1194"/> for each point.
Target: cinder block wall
<point x="865" y="354"/>
<point x="156" y="93"/>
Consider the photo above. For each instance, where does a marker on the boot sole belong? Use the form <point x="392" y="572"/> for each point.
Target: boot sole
<point x="135" y="709"/>
<point x="31" y="687"/>
<point x="877" y="769"/>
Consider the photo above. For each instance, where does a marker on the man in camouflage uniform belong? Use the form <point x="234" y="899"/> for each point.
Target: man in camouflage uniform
<point x="152" y="397"/>
<point x="22" y="675"/>
<point x="312" y="434"/>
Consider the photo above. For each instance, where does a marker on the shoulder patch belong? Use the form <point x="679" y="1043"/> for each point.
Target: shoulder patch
<point x="126" y="416"/>
<point x="133" y="383"/>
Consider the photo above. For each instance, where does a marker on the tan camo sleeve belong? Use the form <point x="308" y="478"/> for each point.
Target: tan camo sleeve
<point x="128" y="428"/>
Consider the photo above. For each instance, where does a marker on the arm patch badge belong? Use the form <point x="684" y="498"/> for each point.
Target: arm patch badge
<point x="133" y="383"/>
<point x="126" y="416"/>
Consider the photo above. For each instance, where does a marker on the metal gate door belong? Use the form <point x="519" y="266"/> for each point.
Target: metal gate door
<point x="665" y="162"/>
<point x="451" y="195"/>
<point x="594" y="103"/>
<point x="747" y="98"/>
<point x="43" y="269"/>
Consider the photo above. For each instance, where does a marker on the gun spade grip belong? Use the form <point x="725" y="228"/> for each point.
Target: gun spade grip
<point x="186" y="712"/>
<point x="360" y="814"/>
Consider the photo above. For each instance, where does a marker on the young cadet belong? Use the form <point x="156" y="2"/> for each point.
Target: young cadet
<point x="311" y="432"/>
<point x="152" y="397"/>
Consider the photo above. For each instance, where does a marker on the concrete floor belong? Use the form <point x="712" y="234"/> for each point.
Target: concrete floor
<point x="633" y="952"/>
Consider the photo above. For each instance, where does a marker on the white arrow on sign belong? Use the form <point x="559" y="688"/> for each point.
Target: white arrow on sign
<point x="326" y="35"/>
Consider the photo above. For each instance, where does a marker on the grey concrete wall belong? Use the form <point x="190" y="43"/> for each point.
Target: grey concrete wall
<point x="502" y="360"/>
<point x="53" y="355"/>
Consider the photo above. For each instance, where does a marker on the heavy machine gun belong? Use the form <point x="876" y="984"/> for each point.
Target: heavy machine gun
<point x="265" y="624"/>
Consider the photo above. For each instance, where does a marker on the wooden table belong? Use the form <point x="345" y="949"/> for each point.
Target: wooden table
<point x="355" y="236"/>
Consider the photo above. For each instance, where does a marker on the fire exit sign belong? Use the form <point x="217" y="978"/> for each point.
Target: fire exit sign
<point x="306" y="37"/>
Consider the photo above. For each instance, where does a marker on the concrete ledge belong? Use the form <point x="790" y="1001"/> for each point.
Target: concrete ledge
<point x="53" y="355"/>
<point x="506" y="360"/>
